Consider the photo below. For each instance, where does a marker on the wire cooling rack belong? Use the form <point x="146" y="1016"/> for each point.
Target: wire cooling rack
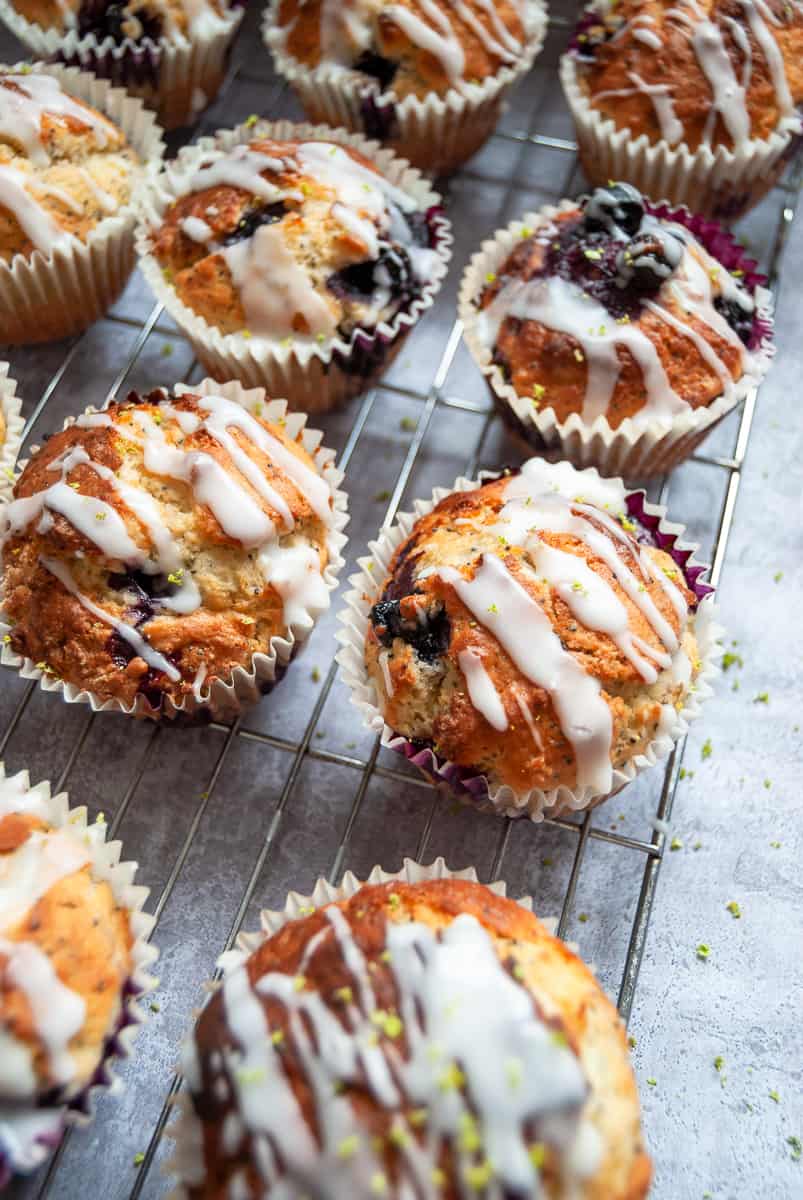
<point x="224" y="820"/>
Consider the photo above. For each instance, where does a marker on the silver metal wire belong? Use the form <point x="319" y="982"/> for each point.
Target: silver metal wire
<point x="366" y="768"/>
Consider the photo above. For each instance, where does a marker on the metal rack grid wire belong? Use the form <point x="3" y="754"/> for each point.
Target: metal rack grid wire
<point x="367" y="767"/>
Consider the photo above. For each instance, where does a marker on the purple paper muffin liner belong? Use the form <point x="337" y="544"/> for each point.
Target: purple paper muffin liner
<point x="466" y="782"/>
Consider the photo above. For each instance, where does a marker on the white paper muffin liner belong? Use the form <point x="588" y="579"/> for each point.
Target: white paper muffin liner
<point x="438" y="133"/>
<point x="721" y="183"/>
<point x="313" y="377"/>
<point x="11" y="408"/>
<point x="634" y="449"/>
<point x="51" y="296"/>
<point x="176" y="77"/>
<point x="467" y="784"/>
<point x="185" y="1164"/>
<point x="27" y="1135"/>
<point x="220" y="699"/>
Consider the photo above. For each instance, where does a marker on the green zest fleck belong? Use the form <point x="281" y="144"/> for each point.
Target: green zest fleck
<point x="479" y="1176"/>
<point x="470" y="1139"/>
<point x="775" y="845"/>
<point x="768" y="784"/>
<point x="514" y="1071"/>
<point x="382" y="496"/>
<point x="277" y="1037"/>
<point x="379" y="1184"/>
<point x="348" y="1147"/>
<point x="631" y="1041"/>
<point x="538" y="391"/>
<point x="394" y="900"/>
<point x="139" y="1159"/>
<point x="703" y="950"/>
<point x="582" y="917"/>
<point x="734" y="909"/>
<point x="778" y="576"/>
<point x="676" y="844"/>
<point x="398" y="1137"/>
<point x="176" y="576"/>
<point x="652" y="1082"/>
<point x="408" y="424"/>
<point x="418" y="1117"/>
<point x="797" y="1149"/>
<point x="762" y="698"/>
<point x="773" y="1095"/>
<point x="719" y="1063"/>
<point x="537" y="1153"/>
<point x="299" y="983"/>
<point x="438" y="1177"/>
<point x="155" y="1006"/>
<point x="526" y="231"/>
<point x="315" y="675"/>
<point x="490" y="277"/>
<point x="730" y="659"/>
<point x="593" y="255"/>
<point x="247" y="1075"/>
<point x="492" y="608"/>
<point x="344" y="994"/>
<point x="451" y="1078"/>
<point x="707" y="749"/>
<point x="251" y="121"/>
<point x="518" y="971"/>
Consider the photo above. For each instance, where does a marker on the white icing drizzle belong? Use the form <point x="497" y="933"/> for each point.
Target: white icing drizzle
<point x="387" y="679"/>
<point x="196" y="229"/>
<point x="127" y="632"/>
<point x="198" y="682"/>
<point x="16" y="796"/>
<point x="241" y="167"/>
<point x="481" y="689"/>
<point x="500" y="603"/>
<point x="524" y="709"/>
<point x="58" y="1012"/>
<point x="458" y="1006"/>
<point x="105" y="199"/>
<point x="32" y="96"/>
<point x="35" y="222"/>
<point x="561" y="305"/>
<point x="661" y="96"/>
<point x="33" y="869"/>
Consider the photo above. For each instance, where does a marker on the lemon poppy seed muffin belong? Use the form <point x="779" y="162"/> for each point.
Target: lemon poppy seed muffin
<point x="155" y="548"/>
<point x="299" y="241"/>
<point x="412" y="48"/>
<point x="418" y="1038"/>
<point x="136" y="20"/>
<point x="613" y="309"/>
<point x="64" y="166"/>
<point x="64" y="954"/>
<point x="531" y="633"/>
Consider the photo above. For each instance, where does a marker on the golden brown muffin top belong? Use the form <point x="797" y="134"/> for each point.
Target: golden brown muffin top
<point x="64" y="951"/>
<point x="702" y="72"/>
<point x="433" y="1028"/>
<point x="412" y="47"/>
<point x="64" y="167"/>
<point x="523" y="632"/>
<point x="608" y="311"/>
<point x="156" y="546"/>
<point x="136" y="20"/>
<point x="294" y="240"/>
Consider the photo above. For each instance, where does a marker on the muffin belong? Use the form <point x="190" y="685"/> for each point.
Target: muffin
<point x="294" y="257"/>
<point x="616" y="330"/>
<point x="71" y="166"/>
<point x="72" y="957"/>
<point x="424" y="77"/>
<point x="696" y="102"/>
<point x="170" y="554"/>
<point x="173" y="54"/>
<point x="11" y="426"/>
<point x="427" y="1038"/>
<point x="533" y="641"/>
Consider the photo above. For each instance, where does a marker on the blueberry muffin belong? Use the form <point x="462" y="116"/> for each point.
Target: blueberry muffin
<point x="429" y="1039"/>
<point x="410" y="49"/>
<point x="64" y="166"/>
<point x="299" y="240"/>
<point x="608" y="309"/>
<point x="171" y="54"/>
<point x="154" y="549"/>
<point x="134" y="20"/>
<point x="424" y="76"/>
<point x="723" y="80"/>
<point x="532" y="633"/>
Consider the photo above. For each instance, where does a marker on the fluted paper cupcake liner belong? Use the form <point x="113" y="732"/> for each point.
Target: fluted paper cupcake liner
<point x="221" y="699"/>
<point x="721" y="182"/>
<point x="437" y="133"/>
<point x="27" y="1135"/>
<point x="50" y="296"/>
<point x="11" y="408"/>
<point x="464" y="782"/>
<point x="185" y="1165"/>
<point x="634" y="449"/>
<point x="313" y="377"/>
<point x="177" y="77"/>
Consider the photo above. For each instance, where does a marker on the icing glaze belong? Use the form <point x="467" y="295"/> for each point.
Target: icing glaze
<point x="481" y="689"/>
<point x="457" y="1004"/>
<point x="31" y="97"/>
